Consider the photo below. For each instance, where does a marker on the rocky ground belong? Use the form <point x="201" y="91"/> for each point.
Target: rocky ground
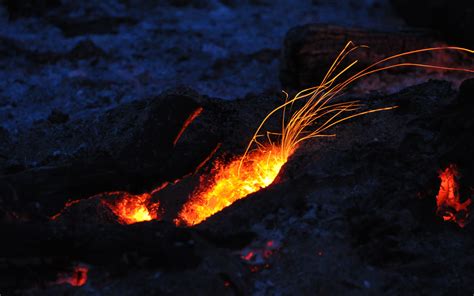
<point x="93" y="98"/>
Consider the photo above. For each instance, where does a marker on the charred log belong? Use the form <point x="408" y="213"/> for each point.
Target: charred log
<point x="306" y="49"/>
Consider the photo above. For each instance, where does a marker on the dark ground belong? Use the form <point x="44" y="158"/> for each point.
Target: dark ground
<point x="92" y="95"/>
<point x="89" y="56"/>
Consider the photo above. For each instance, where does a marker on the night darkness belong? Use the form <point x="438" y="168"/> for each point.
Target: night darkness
<point x="225" y="147"/>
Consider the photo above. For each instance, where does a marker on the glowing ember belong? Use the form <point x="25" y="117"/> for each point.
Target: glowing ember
<point x="249" y="256"/>
<point x="258" y="258"/>
<point x="449" y="206"/>
<point x="77" y="278"/>
<point x="228" y="184"/>
<point x="134" y="208"/>
<point x="127" y="207"/>
<point x="67" y="205"/>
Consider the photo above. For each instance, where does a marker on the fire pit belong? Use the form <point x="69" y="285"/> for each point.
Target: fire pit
<point x="359" y="183"/>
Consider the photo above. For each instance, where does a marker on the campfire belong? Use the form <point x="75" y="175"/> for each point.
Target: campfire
<point x="345" y="185"/>
<point x="310" y="114"/>
<point x="259" y="166"/>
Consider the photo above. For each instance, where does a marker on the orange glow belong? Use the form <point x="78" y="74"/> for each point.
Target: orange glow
<point x="449" y="206"/>
<point x="127" y="207"/>
<point x="67" y="205"/>
<point x="134" y="208"/>
<point x="77" y="278"/>
<point x="229" y="185"/>
<point x="261" y="162"/>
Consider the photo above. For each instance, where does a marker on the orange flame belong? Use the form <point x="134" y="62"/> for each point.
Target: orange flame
<point x="229" y="185"/>
<point x="449" y="206"/>
<point x="77" y="278"/>
<point x="134" y="208"/>
<point x="259" y="167"/>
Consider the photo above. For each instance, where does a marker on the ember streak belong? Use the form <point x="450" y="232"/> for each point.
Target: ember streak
<point x="448" y="200"/>
<point x="187" y="123"/>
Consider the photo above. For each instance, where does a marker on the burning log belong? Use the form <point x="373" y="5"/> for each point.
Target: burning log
<point x="230" y="184"/>
<point x="311" y="113"/>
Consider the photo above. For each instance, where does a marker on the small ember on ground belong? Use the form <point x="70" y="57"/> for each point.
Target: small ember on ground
<point x="448" y="200"/>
